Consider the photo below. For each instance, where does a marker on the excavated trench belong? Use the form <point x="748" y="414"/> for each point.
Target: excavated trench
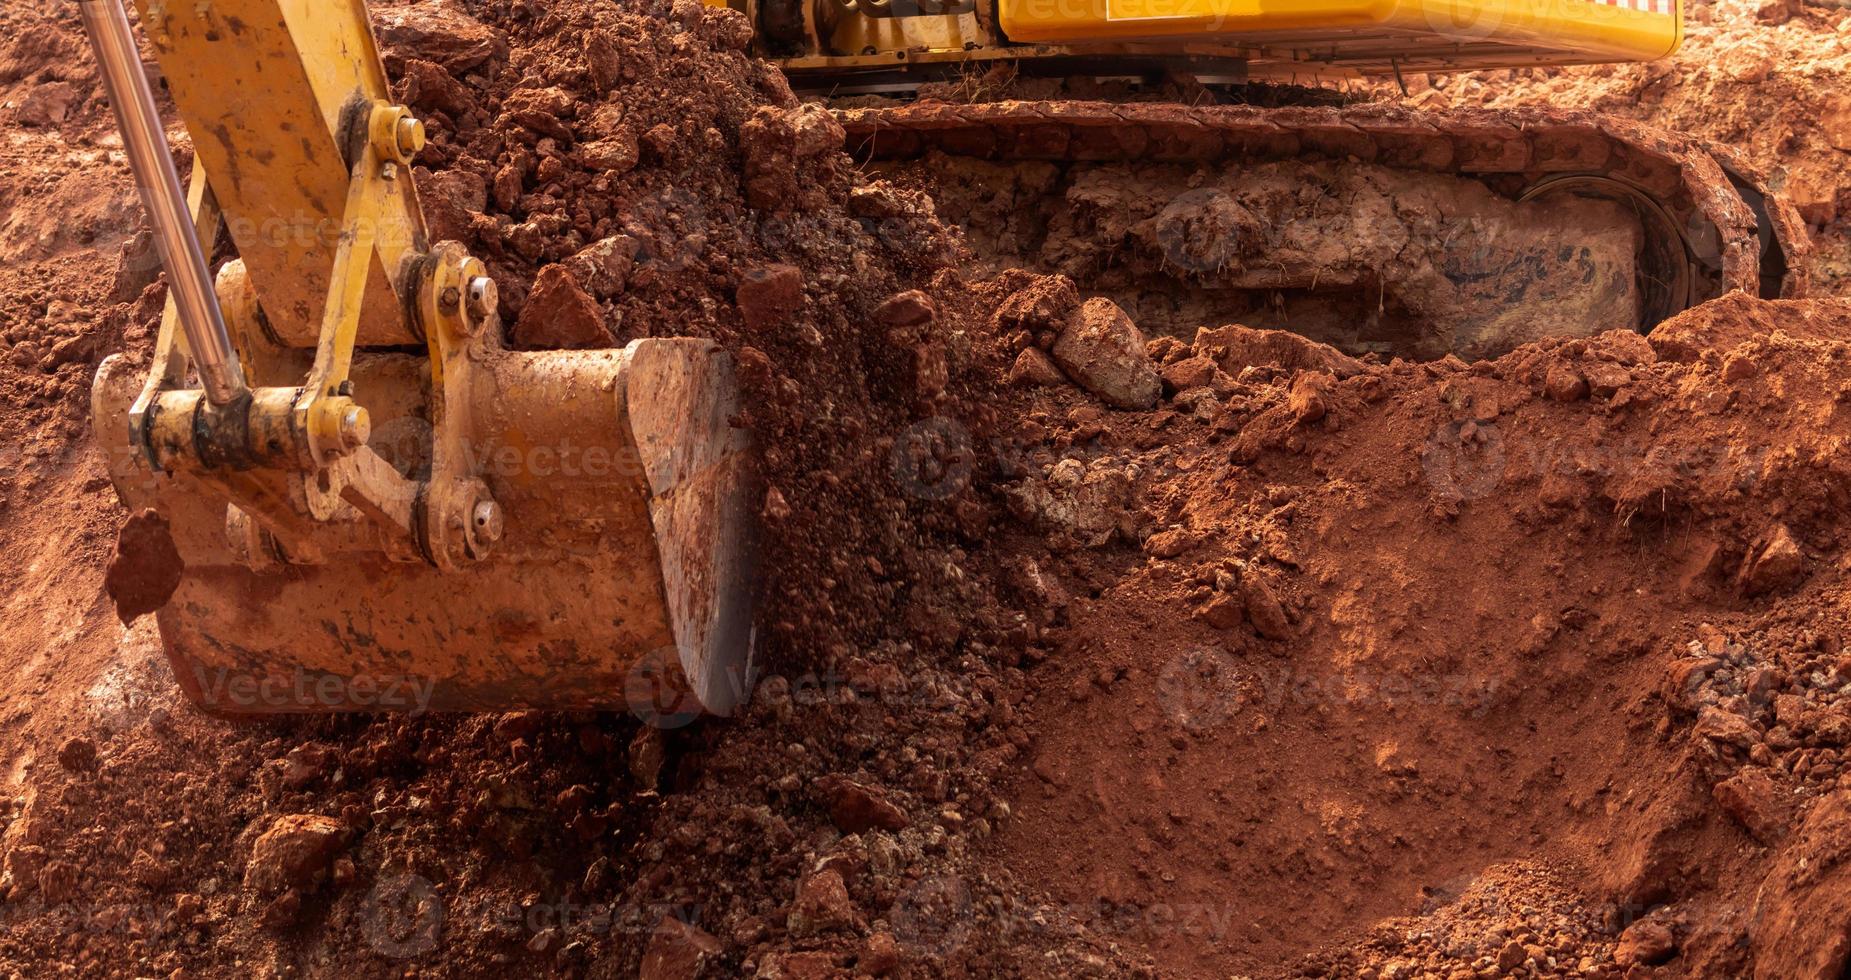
<point x="1360" y="256"/>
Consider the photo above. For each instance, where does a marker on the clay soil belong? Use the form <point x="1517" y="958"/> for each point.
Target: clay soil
<point x="1299" y="665"/>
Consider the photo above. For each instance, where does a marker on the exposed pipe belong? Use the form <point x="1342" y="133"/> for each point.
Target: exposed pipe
<point x="189" y="280"/>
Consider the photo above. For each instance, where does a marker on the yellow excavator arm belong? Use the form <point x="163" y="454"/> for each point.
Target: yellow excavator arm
<point x="542" y="529"/>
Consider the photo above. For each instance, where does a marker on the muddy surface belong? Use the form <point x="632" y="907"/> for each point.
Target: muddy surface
<point x="1098" y="647"/>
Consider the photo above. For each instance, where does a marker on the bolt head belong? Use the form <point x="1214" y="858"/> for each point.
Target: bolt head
<point x="411" y="136"/>
<point x="483" y="297"/>
<point x="356" y="428"/>
<point x="485" y="522"/>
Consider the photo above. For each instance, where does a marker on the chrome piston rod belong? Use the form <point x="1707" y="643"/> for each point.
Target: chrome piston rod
<point x="189" y="280"/>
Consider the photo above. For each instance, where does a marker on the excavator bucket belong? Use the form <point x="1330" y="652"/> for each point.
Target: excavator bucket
<point x="376" y="505"/>
<point x="620" y="580"/>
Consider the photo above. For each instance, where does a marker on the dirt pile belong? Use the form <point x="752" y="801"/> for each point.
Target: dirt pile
<point x="1317" y="664"/>
<point x="1392" y="628"/>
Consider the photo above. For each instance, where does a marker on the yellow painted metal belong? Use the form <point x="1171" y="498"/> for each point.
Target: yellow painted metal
<point x="169" y="364"/>
<point x="853" y="34"/>
<point x="318" y="409"/>
<point x="523" y="529"/>
<point x="1467" y="33"/>
<point x="265" y="87"/>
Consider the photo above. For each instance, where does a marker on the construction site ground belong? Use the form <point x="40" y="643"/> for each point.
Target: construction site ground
<point x="1240" y="657"/>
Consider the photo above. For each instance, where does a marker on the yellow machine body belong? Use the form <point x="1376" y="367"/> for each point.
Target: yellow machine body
<point x="833" y="41"/>
<point x="1370" y="36"/>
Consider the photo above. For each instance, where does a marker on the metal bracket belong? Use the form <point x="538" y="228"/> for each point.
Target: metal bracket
<point x="293" y="463"/>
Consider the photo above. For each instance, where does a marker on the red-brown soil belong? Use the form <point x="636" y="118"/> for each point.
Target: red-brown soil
<point x="1321" y="666"/>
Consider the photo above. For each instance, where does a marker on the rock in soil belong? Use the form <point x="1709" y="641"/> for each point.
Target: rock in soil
<point x="678" y="951"/>
<point x="857" y="808"/>
<point x="822" y="906"/>
<point x="560" y="315"/>
<point x="295" y="852"/>
<point x="1103" y="352"/>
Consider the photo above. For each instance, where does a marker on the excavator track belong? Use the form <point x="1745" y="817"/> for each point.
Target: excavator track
<point x="1708" y="227"/>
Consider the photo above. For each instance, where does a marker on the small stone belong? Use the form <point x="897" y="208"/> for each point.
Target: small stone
<point x="677" y="951"/>
<point x="1645" y="943"/>
<point x="1739" y="367"/>
<point x="1309" y="400"/>
<point x="1035" y="369"/>
<point x="1776" y="12"/>
<point x="1747" y="64"/>
<point x="507" y="187"/>
<point x="1564" y="384"/>
<point x="281" y="913"/>
<point x="822" y="906"/>
<point x="1190" y="372"/>
<point x="1044" y="305"/>
<point x="768" y="295"/>
<point x="856" y="808"/>
<point x="304" y="764"/>
<point x="146" y="567"/>
<point x="1171" y="543"/>
<point x="560" y="315"/>
<point x="294" y="853"/>
<point x="1726" y="728"/>
<point x="777" y="508"/>
<point x="908" y="309"/>
<point x="77" y="755"/>
<point x="428" y="86"/>
<point x="443" y="33"/>
<point x="1103" y="352"/>
<point x="603" y="60"/>
<point x="647" y="753"/>
<point x="614" y="154"/>
<point x="1774" y="562"/>
<point x="1605" y="378"/>
<point x="880" y="956"/>
<point x="1223" y="612"/>
<point x="1755" y="801"/>
<point x="45" y="104"/>
<point x="1512" y="956"/>
<point x="603" y="267"/>
<point x="1263" y="608"/>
